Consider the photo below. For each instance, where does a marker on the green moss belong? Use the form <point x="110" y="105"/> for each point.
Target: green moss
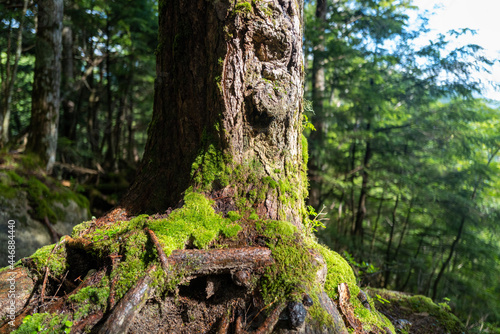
<point x="209" y="166"/>
<point x="421" y="304"/>
<point x="45" y="323"/>
<point x="40" y="196"/>
<point x="136" y="257"/>
<point x="243" y="8"/>
<point x="339" y="271"/>
<point x="234" y="216"/>
<point x="196" y="221"/>
<point x="293" y="272"/>
<point x="91" y="299"/>
<point x="56" y="261"/>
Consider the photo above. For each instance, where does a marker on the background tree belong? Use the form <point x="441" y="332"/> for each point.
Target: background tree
<point x="401" y="122"/>
<point x="42" y="138"/>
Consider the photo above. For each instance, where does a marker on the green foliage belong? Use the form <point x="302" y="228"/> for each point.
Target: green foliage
<point x="243" y="7"/>
<point x="45" y="323"/>
<point x="90" y="299"/>
<point x="405" y="156"/>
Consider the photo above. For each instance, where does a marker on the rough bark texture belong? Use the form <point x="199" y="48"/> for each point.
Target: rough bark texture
<point x="42" y="138"/>
<point x="229" y="83"/>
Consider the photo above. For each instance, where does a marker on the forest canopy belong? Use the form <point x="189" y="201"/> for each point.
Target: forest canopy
<point x="404" y="151"/>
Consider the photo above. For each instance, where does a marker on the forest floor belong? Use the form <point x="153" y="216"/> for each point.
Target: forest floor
<point x="415" y="314"/>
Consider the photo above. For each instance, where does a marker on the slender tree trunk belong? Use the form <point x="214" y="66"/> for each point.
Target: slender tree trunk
<point x="372" y="244"/>
<point x="318" y="90"/>
<point x="459" y="232"/>
<point x="229" y="86"/>
<point x="42" y="137"/>
<point x="361" y="211"/>
<point x="405" y="226"/>
<point x="69" y="115"/>
<point x="8" y="81"/>
<point x="389" y="244"/>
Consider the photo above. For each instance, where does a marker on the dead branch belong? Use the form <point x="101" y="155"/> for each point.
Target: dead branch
<point x="53" y="233"/>
<point x="224" y="323"/>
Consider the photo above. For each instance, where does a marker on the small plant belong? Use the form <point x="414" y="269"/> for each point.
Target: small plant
<point x="362" y="268"/>
<point x="317" y="221"/>
<point x="381" y="299"/>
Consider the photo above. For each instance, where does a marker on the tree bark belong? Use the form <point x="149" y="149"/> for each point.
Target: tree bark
<point x="229" y="89"/>
<point x="42" y="137"/>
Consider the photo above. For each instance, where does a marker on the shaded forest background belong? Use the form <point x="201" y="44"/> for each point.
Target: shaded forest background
<point x="404" y="152"/>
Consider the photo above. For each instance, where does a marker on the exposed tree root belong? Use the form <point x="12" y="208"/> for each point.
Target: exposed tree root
<point x="129" y="306"/>
<point x="161" y="254"/>
<point x="218" y="261"/>
<point x="348" y="309"/>
<point x="224" y="323"/>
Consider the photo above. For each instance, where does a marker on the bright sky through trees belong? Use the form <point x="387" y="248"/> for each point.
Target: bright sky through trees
<point x="479" y="15"/>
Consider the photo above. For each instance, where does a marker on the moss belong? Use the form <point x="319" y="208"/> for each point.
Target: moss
<point x="243" y="8"/>
<point x="209" y="167"/>
<point x="196" y="221"/>
<point x="40" y="195"/>
<point x="56" y="261"/>
<point x="421" y="304"/>
<point x="45" y="323"/>
<point x="234" y="216"/>
<point x="91" y="299"/>
<point x="136" y="258"/>
<point x="339" y="271"/>
<point x="293" y="272"/>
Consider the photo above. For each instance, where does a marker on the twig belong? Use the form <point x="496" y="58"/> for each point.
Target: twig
<point x="60" y="285"/>
<point x="264" y="308"/>
<point x="42" y="295"/>
<point x="224" y="324"/>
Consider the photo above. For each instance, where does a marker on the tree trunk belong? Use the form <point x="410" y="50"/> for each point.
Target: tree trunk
<point x="229" y="89"/>
<point x="226" y="125"/>
<point x="318" y="91"/>
<point x="42" y="137"/>
<point x="10" y="78"/>
<point x="69" y="115"/>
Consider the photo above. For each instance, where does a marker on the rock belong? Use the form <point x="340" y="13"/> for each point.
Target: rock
<point x="363" y="298"/>
<point x="297" y="313"/>
<point x="31" y="234"/>
<point x="14" y="283"/>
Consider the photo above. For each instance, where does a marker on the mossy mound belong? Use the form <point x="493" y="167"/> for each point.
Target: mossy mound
<point x="416" y="314"/>
<point x="22" y="173"/>
<point x="114" y="256"/>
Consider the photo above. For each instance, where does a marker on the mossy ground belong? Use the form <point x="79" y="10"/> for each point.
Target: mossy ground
<point x="425" y="315"/>
<point x="21" y="173"/>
